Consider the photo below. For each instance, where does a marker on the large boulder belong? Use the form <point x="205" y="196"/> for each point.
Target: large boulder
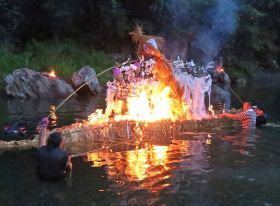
<point x="26" y="83"/>
<point x="83" y="75"/>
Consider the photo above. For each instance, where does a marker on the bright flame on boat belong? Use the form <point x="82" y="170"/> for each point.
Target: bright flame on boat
<point x="149" y="106"/>
<point x="150" y="103"/>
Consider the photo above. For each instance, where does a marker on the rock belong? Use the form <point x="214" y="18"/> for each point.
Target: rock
<point x="84" y="74"/>
<point x="26" y="83"/>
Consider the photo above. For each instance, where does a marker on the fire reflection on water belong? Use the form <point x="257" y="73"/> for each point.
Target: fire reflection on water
<point x="150" y="167"/>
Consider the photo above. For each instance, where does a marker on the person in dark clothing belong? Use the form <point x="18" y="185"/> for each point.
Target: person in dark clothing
<point x="53" y="162"/>
<point x="261" y="120"/>
<point x="261" y="116"/>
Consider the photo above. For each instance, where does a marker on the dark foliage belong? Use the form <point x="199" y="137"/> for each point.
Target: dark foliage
<point x="244" y="32"/>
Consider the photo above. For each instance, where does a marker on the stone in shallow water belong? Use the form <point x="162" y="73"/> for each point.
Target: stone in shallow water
<point x="85" y="74"/>
<point x="26" y="83"/>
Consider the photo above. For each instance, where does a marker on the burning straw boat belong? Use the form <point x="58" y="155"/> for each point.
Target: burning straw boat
<point x="150" y="98"/>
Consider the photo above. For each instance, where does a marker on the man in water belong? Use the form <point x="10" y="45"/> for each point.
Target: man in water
<point x="53" y="162"/>
<point x="261" y="116"/>
<point x="247" y="116"/>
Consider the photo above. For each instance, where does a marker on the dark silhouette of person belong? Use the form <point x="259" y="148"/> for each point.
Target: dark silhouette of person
<point x="53" y="162"/>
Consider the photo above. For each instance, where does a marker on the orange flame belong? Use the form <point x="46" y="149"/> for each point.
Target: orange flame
<point x="52" y="74"/>
<point x="149" y="103"/>
<point x="210" y="109"/>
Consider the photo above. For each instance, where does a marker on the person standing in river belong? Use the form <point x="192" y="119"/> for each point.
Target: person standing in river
<point x="53" y="162"/>
<point x="261" y="116"/>
<point x="247" y="117"/>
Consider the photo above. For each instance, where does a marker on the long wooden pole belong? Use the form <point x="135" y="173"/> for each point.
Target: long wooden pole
<point x="95" y="76"/>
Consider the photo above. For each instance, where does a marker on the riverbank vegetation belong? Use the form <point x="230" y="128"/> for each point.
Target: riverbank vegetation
<point x="69" y="34"/>
<point x="64" y="57"/>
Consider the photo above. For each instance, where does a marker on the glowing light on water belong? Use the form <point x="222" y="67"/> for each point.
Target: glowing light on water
<point x="147" y="165"/>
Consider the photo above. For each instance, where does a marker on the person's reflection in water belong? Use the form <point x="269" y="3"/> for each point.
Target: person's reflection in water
<point x="244" y="140"/>
<point x="198" y="161"/>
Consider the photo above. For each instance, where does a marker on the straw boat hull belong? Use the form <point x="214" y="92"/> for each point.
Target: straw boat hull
<point x="79" y="133"/>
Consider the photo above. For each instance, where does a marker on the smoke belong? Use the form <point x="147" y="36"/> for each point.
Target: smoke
<point x="222" y="23"/>
<point x="204" y="26"/>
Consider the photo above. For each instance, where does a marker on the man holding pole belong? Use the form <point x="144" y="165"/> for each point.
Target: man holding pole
<point x="53" y="162"/>
<point x="247" y="117"/>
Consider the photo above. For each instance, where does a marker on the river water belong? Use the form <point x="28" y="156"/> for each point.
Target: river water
<point x="224" y="166"/>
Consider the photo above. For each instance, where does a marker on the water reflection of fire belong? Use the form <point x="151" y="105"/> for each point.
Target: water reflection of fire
<point x="138" y="164"/>
<point x="149" y="165"/>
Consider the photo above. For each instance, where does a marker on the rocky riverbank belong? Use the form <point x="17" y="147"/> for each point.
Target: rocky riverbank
<point x="26" y="83"/>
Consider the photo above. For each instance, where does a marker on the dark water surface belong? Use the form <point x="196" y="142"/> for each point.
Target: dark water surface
<point x="225" y="166"/>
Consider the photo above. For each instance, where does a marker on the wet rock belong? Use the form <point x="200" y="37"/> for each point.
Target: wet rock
<point x="84" y="74"/>
<point x="26" y="83"/>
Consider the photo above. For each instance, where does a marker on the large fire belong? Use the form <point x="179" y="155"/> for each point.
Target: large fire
<point x="151" y="89"/>
<point x="150" y="103"/>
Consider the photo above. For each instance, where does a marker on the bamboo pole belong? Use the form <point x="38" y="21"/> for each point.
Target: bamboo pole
<point x="95" y="76"/>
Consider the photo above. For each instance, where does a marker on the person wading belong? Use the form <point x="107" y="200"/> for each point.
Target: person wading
<point x="53" y="162"/>
<point x="261" y="116"/>
<point x="247" y="116"/>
